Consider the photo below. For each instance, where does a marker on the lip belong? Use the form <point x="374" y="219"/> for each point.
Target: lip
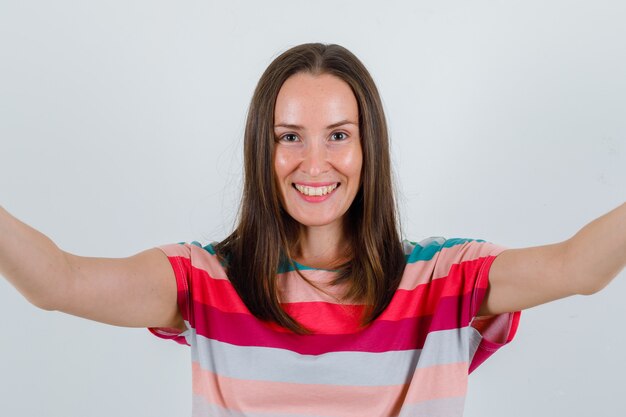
<point x="316" y="184"/>
<point x="315" y="198"/>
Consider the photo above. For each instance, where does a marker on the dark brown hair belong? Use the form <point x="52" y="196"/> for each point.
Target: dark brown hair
<point x="266" y="235"/>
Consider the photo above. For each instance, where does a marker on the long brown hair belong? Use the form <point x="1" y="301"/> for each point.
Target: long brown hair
<point x="266" y="235"/>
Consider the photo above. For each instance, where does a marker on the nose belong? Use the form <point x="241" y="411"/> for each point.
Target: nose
<point x="314" y="161"/>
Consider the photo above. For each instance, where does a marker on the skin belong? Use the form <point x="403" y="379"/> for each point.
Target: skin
<point x="318" y="144"/>
<point x="140" y="291"/>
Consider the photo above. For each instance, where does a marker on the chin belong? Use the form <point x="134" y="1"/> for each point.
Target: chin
<point x="315" y="221"/>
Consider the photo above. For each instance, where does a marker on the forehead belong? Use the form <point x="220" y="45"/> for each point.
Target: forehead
<point x="307" y="99"/>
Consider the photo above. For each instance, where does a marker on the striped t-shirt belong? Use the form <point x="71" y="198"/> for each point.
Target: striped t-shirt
<point x="413" y="360"/>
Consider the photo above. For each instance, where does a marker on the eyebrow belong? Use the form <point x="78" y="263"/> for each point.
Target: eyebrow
<point x="331" y="126"/>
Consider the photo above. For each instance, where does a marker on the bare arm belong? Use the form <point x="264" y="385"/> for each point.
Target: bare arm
<point x="583" y="264"/>
<point x="138" y="291"/>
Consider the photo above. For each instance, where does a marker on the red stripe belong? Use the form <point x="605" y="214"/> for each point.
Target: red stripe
<point x="421" y="301"/>
<point x="182" y="269"/>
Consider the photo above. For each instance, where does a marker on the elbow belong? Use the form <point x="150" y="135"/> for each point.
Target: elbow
<point x="42" y="302"/>
<point x="53" y="297"/>
<point x="46" y="307"/>
<point x="590" y="286"/>
<point x="588" y="291"/>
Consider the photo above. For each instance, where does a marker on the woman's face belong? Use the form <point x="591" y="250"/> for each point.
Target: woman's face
<point x="318" y="155"/>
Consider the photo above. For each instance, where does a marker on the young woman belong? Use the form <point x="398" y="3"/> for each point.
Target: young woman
<point x="314" y="305"/>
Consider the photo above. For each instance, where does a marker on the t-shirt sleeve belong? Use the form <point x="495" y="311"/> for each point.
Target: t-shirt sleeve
<point x="179" y="256"/>
<point x="469" y="262"/>
<point x="496" y="330"/>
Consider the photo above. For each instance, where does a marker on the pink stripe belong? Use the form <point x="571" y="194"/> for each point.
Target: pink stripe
<point x="200" y="258"/>
<point x="439" y="266"/>
<point x="250" y="396"/>
<point x="436" y="382"/>
<point x="221" y="294"/>
<point x="297" y="290"/>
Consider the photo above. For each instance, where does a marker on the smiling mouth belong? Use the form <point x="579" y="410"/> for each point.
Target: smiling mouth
<point x="316" y="191"/>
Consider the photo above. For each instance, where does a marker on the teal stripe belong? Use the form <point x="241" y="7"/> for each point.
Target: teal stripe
<point x="425" y="250"/>
<point x="428" y="248"/>
<point x="209" y="248"/>
<point x="287" y="266"/>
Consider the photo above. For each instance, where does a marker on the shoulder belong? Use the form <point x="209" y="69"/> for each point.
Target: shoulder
<point x="451" y="266"/>
<point x="448" y="250"/>
<point x="195" y="257"/>
<point x="437" y="256"/>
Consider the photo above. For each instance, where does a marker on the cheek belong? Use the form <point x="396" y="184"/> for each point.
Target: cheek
<point x="352" y="163"/>
<point x="280" y="164"/>
<point x="356" y="164"/>
<point x="279" y="174"/>
<point x="284" y="165"/>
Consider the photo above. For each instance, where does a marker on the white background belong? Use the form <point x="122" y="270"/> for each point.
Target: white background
<point x="121" y="127"/>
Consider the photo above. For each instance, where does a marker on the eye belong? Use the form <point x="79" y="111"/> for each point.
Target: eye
<point x="289" y="137"/>
<point x="338" y="136"/>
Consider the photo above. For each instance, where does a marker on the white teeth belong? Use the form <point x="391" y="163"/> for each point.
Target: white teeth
<point x="316" y="191"/>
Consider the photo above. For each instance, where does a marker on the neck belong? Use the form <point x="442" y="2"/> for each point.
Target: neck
<point x="323" y="246"/>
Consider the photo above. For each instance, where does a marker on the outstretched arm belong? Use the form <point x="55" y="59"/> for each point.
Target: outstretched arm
<point x="583" y="264"/>
<point x="138" y="291"/>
